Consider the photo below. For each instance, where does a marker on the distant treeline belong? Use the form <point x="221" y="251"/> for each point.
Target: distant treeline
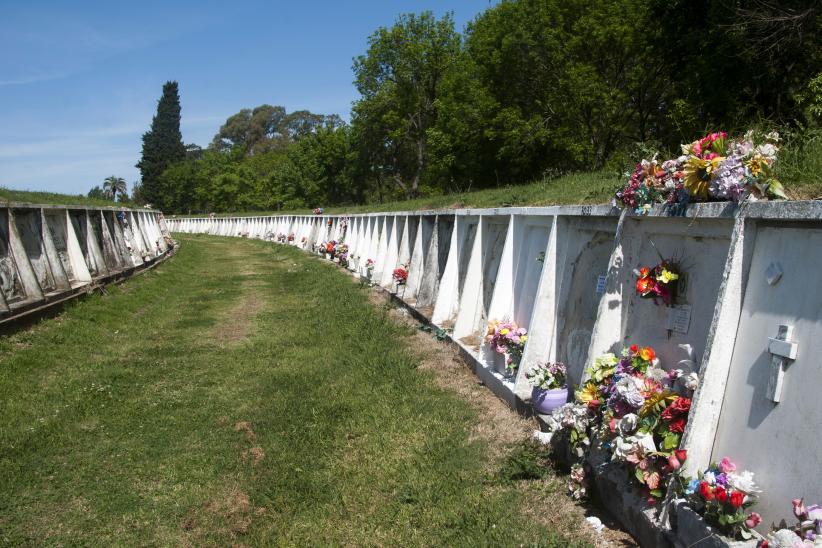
<point x="530" y="88"/>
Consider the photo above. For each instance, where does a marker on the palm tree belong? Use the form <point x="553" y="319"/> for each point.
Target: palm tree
<point x="112" y="185"/>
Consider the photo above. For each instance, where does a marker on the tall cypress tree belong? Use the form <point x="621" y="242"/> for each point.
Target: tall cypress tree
<point x="162" y="145"/>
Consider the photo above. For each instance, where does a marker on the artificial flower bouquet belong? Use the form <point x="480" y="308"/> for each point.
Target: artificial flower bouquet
<point x="342" y="254"/>
<point x="722" y="495"/>
<point x="318" y="211"/>
<point x="400" y="275"/>
<point x="369" y="265"/>
<point x="330" y="248"/>
<point x="712" y="168"/>
<point x="658" y="282"/>
<point x="550" y="389"/>
<point x="548" y="376"/>
<point x="291" y="237"/>
<point x="807" y="532"/>
<point x="509" y="339"/>
<point x="643" y="410"/>
<point x="281" y="238"/>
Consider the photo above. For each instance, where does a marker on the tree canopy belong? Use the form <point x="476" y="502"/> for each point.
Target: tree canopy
<point x="529" y="89"/>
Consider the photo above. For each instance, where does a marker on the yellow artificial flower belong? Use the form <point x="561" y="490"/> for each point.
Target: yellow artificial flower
<point x="588" y="393"/>
<point x="504" y="331"/>
<point x="666" y="276"/>
<point x="756" y="164"/>
<point x="694" y="181"/>
<point x="523" y="338"/>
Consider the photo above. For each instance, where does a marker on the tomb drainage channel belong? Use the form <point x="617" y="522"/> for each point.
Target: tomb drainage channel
<point x="744" y="316"/>
<point x="50" y="255"/>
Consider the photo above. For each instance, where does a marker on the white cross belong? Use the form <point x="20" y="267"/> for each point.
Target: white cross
<point x="781" y="349"/>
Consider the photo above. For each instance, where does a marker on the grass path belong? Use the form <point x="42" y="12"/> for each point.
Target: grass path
<point x="246" y="394"/>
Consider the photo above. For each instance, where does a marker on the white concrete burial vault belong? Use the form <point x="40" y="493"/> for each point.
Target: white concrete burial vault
<point x="50" y="254"/>
<point x="753" y="276"/>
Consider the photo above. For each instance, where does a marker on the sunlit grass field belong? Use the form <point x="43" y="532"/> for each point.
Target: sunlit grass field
<point x="248" y="394"/>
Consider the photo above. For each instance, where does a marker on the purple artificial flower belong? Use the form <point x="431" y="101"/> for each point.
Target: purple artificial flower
<point x="729" y="183"/>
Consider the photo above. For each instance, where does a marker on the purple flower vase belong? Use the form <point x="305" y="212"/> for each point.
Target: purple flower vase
<point x="545" y="401"/>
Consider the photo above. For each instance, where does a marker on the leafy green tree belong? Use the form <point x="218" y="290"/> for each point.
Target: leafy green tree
<point x="162" y="145"/>
<point x="400" y="79"/>
<point x="114" y="186"/>
<point x="98" y="193"/>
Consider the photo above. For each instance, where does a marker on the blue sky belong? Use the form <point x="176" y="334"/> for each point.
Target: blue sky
<point x="79" y="81"/>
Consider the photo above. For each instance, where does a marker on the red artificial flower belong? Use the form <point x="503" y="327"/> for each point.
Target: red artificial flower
<point x="634" y="348"/>
<point x="679" y="407"/>
<point x="645" y="286"/>
<point x="720" y="494"/>
<point x="677" y="425"/>
<point x="705" y="491"/>
<point x="737" y="498"/>
<point x="681" y="454"/>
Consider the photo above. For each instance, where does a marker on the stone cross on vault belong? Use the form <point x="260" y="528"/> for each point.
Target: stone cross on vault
<point x="781" y="349"/>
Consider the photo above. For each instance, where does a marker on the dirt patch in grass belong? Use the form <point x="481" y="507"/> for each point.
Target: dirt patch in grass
<point x="255" y="455"/>
<point x="245" y="428"/>
<point x="502" y="429"/>
<point x="230" y="515"/>
<point x="237" y="322"/>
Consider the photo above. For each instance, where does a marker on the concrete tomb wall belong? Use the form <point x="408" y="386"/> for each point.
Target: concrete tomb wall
<point x="51" y="253"/>
<point x="747" y="315"/>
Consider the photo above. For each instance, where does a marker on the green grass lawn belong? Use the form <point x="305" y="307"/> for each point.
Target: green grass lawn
<point x="54" y="198"/>
<point x="245" y="393"/>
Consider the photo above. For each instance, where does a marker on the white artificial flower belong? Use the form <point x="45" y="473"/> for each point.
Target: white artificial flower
<point x="627" y="425"/>
<point x="767" y="150"/>
<point x="691" y="381"/>
<point x="785" y="538"/>
<point x="742" y="481"/>
<point x="641" y="442"/>
<point x="656" y="373"/>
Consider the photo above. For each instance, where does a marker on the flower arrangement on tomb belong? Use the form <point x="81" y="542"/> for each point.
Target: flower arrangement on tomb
<point x="722" y="495"/>
<point x="638" y="411"/>
<point x="509" y="339"/>
<point x="330" y="247"/>
<point x="658" y="282"/>
<point x="550" y="389"/>
<point x="303" y="240"/>
<point x="400" y="275"/>
<point x="548" y="376"/>
<point x="712" y="168"/>
<point x="281" y="238"/>
<point x="341" y="253"/>
<point x="807" y="531"/>
<point x="330" y="222"/>
<point x="318" y="211"/>
<point x="291" y="237"/>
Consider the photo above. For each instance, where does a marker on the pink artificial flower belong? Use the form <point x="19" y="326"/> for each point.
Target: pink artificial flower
<point x="674" y="463"/>
<point x="726" y="466"/>
<point x="799" y="509"/>
<point x="753" y="520"/>
<point x="652" y="480"/>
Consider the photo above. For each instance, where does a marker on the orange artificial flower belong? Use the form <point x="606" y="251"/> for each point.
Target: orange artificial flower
<point x="647" y="353"/>
<point x="644" y="285"/>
